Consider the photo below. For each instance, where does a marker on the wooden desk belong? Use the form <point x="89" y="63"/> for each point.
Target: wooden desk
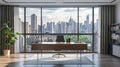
<point x="59" y="46"/>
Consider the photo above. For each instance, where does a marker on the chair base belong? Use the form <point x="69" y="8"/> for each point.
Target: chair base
<point x="58" y="55"/>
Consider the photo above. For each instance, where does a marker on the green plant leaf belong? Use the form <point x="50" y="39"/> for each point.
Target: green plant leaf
<point x="9" y="37"/>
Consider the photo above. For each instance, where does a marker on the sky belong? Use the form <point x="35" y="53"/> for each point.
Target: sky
<point x="58" y="14"/>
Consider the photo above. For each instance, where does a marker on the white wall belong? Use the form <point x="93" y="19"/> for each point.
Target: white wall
<point x="118" y="12"/>
<point x="16" y="28"/>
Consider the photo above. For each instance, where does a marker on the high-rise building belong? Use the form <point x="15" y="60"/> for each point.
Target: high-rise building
<point x="39" y="28"/>
<point x="72" y="25"/>
<point x="87" y="25"/>
<point x="30" y="29"/>
<point x="27" y="27"/>
<point x="80" y="27"/>
<point x="21" y="26"/>
<point x="58" y="27"/>
<point x="43" y="28"/>
<point x="49" y="27"/>
<point x="63" y="27"/>
<point x="33" y="23"/>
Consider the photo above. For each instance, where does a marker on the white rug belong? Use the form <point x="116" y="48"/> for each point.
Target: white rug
<point x="64" y="61"/>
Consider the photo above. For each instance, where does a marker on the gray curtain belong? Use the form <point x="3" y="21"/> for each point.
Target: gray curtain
<point x="6" y="14"/>
<point x="107" y="18"/>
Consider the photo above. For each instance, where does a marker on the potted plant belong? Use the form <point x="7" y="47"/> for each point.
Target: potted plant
<point x="9" y="37"/>
<point x="68" y="40"/>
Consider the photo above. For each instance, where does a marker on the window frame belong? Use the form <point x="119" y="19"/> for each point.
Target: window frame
<point x="77" y="34"/>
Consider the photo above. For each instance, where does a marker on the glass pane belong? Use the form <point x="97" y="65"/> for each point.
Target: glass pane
<point x="96" y="29"/>
<point x="33" y="20"/>
<point x="21" y="20"/>
<point x="30" y="39"/>
<point x="59" y="20"/>
<point x="21" y="14"/>
<point x="49" y="38"/>
<point x="59" y="38"/>
<point x="85" y="20"/>
<point x="86" y="39"/>
<point x="53" y="38"/>
<point x="96" y="20"/>
<point x="73" y="38"/>
<point x="21" y="43"/>
<point x="21" y="29"/>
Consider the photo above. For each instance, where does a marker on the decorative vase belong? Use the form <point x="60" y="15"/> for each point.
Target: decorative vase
<point x="6" y="52"/>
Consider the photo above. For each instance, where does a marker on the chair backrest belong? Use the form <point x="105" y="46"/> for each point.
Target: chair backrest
<point x="60" y="38"/>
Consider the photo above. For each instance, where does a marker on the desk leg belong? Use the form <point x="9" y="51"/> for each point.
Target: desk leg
<point x="80" y="56"/>
<point x="93" y="57"/>
<point x="37" y="58"/>
<point x="41" y="54"/>
<point x="25" y="56"/>
<point x="77" y="54"/>
<point x="38" y="55"/>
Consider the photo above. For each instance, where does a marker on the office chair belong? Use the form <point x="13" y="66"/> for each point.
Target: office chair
<point x="60" y="38"/>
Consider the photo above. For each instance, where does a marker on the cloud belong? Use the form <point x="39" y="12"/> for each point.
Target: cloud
<point x="84" y="9"/>
<point x="45" y="17"/>
<point x="51" y="9"/>
<point x="70" y="10"/>
<point x="47" y="11"/>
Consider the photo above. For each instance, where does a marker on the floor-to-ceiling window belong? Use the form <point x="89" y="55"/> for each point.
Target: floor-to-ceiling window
<point x="59" y="21"/>
<point x="86" y="26"/>
<point x="43" y="24"/>
<point x="96" y="26"/>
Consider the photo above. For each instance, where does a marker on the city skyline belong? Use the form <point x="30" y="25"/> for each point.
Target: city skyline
<point x="53" y="14"/>
<point x="60" y="27"/>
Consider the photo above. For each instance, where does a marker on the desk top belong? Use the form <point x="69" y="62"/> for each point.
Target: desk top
<point x="58" y="43"/>
<point x="59" y="46"/>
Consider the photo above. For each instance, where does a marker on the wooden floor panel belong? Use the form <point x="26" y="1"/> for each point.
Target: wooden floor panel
<point x="17" y="60"/>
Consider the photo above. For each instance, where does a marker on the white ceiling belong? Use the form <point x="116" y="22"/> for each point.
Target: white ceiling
<point x="58" y="2"/>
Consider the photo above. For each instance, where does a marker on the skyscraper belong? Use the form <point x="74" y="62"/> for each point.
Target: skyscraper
<point x="58" y="27"/>
<point x="39" y="28"/>
<point x="33" y="23"/>
<point x="72" y="26"/>
<point x="63" y="27"/>
<point x="49" y="27"/>
<point x="87" y="25"/>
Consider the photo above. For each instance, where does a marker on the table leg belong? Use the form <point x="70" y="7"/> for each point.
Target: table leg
<point x="77" y="53"/>
<point x="41" y="54"/>
<point x="93" y="57"/>
<point x="80" y="56"/>
<point x="37" y="57"/>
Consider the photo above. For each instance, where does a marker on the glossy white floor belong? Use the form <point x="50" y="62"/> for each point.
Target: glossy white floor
<point x="17" y="60"/>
